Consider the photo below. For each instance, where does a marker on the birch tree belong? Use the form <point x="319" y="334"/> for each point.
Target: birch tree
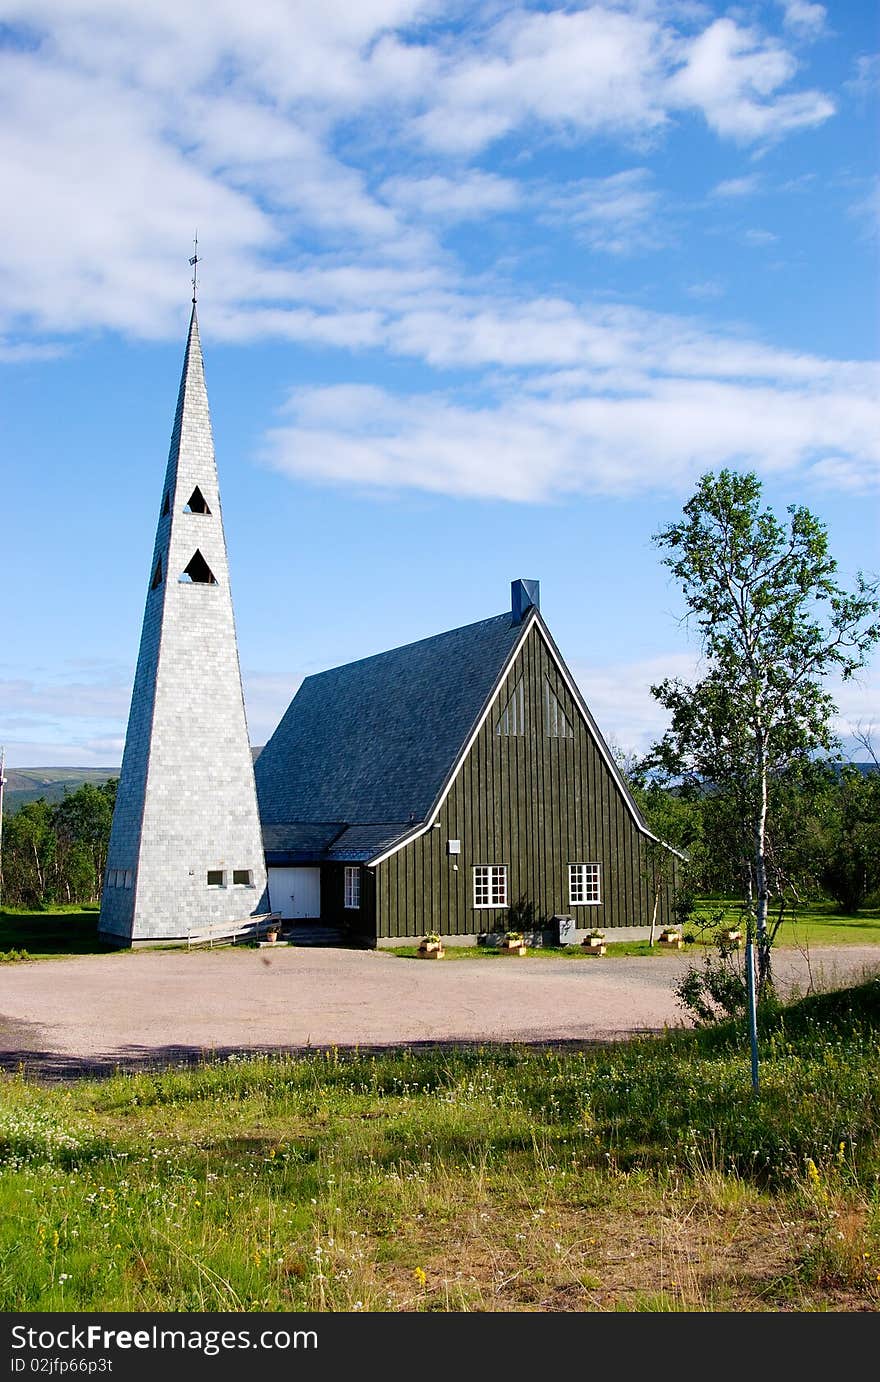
<point x="773" y="623"/>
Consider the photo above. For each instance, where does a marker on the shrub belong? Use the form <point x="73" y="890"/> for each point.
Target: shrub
<point x="713" y="993"/>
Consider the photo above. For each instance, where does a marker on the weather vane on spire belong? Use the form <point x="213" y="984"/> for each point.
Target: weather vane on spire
<point x="194" y="263"/>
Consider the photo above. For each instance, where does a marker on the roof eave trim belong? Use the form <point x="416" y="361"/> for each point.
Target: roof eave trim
<point x="428" y="823"/>
<point x="595" y="731"/>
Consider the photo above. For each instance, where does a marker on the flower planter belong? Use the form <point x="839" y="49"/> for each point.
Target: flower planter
<point x="594" y="945"/>
<point x="431" y="950"/>
<point x="513" y="947"/>
<point x="670" y="940"/>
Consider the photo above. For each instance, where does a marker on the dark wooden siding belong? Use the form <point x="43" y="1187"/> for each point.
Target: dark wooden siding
<point x="535" y="803"/>
<point x="361" y="920"/>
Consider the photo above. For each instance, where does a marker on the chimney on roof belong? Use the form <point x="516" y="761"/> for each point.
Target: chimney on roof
<point x="523" y="596"/>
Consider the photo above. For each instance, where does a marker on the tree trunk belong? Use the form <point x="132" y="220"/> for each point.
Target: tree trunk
<point x="762" y="900"/>
<point x="654" y="911"/>
<point x="41" y="884"/>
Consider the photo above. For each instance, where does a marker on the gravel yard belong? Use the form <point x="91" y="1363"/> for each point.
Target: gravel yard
<point x="94" y="1012"/>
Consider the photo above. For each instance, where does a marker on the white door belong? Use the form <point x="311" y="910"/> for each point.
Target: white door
<point x="295" y="892"/>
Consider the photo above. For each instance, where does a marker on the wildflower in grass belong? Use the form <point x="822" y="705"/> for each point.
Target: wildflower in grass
<point x="421" y="1276"/>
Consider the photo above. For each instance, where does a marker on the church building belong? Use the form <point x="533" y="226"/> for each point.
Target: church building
<point x="458" y="784"/>
<point x="448" y="784"/>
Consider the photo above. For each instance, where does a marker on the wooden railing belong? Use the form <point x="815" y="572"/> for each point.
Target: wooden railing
<point x="229" y="933"/>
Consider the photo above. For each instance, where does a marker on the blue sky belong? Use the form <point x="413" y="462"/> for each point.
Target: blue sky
<point x="485" y="288"/>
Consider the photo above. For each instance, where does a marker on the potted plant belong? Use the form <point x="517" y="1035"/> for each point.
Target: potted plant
<point x="514" y="942"/>
<point x="594" y="941"/>
<point x="431" y="947"/>
<point x="272" y="933"/>
<point x="671" y="937"/>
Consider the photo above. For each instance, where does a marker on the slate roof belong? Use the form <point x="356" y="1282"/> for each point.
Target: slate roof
<point x="301" y="837"/>
<point x="368" y="746"/>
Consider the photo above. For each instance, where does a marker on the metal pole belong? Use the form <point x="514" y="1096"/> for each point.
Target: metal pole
<point x="753" y="1015"/>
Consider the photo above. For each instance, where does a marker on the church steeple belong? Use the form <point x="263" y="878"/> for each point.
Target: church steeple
<point x="185" y="847"/>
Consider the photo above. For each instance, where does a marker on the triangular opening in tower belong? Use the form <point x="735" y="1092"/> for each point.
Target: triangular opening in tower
<point x="166" y="506"/>
<point x="196" y="503"/>
<point x="198" y="571"/>
<point x="157" y="575"/>
<point x="556" y="723"/>
<point x="512" y="719"/>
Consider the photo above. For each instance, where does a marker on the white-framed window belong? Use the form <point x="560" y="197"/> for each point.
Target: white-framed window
<point x="216" y="878"/>
<point x="490" y="885"/>
<point x="584" y="885"/>
<point x="242" y="878"/>
<point x="352" y="886"/>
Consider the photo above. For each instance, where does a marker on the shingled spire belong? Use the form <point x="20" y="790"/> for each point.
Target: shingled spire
<point x="185" y="847"/>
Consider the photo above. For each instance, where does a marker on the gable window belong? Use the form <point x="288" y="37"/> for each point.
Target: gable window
<point x="584" y="885"/>
<point x="352" y="887"/>
<point x="242" y="877"/>
<point x="513" y="717"/>
<point x="216" y="878"/>
<point x="556" y="723"/>
<point x="490" y="885"/>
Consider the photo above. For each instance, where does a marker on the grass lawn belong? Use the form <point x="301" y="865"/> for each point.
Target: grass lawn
<point x="644" y="1177"/>
<point x="816" y="923"/>
<point x="58" y="931"/>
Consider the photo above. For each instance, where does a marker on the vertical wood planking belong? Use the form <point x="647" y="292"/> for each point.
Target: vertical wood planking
<point x="534" y="802"/>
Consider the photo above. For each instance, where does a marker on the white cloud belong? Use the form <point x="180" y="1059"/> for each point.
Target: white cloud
<point x="470" y="196"/>
<point x="617" y="214"/>
<point x="619" y="697"/>
<point x="59" y="698"/>
<point x="624" y="428"/>
<point x="737" y="187"/>
<point x="867" y="77"/>
<point x="280" y="125"/>
<point x="65" y="751"/>
<point x="620" y="700"/>
<point x="85" y="246"/>
<point x="72" y="715"/>
<point x="591" y="69"/>
<point x="733" y="76"/>
<point x="866" y="210"/>
<point x="759" y="239"/>
<point x="706" y="289"/>
<point x="858" y="707"/>
<point x="805" y="18"/>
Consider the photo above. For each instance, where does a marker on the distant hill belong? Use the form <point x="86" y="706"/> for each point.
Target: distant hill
<point x="28" y="784"/>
